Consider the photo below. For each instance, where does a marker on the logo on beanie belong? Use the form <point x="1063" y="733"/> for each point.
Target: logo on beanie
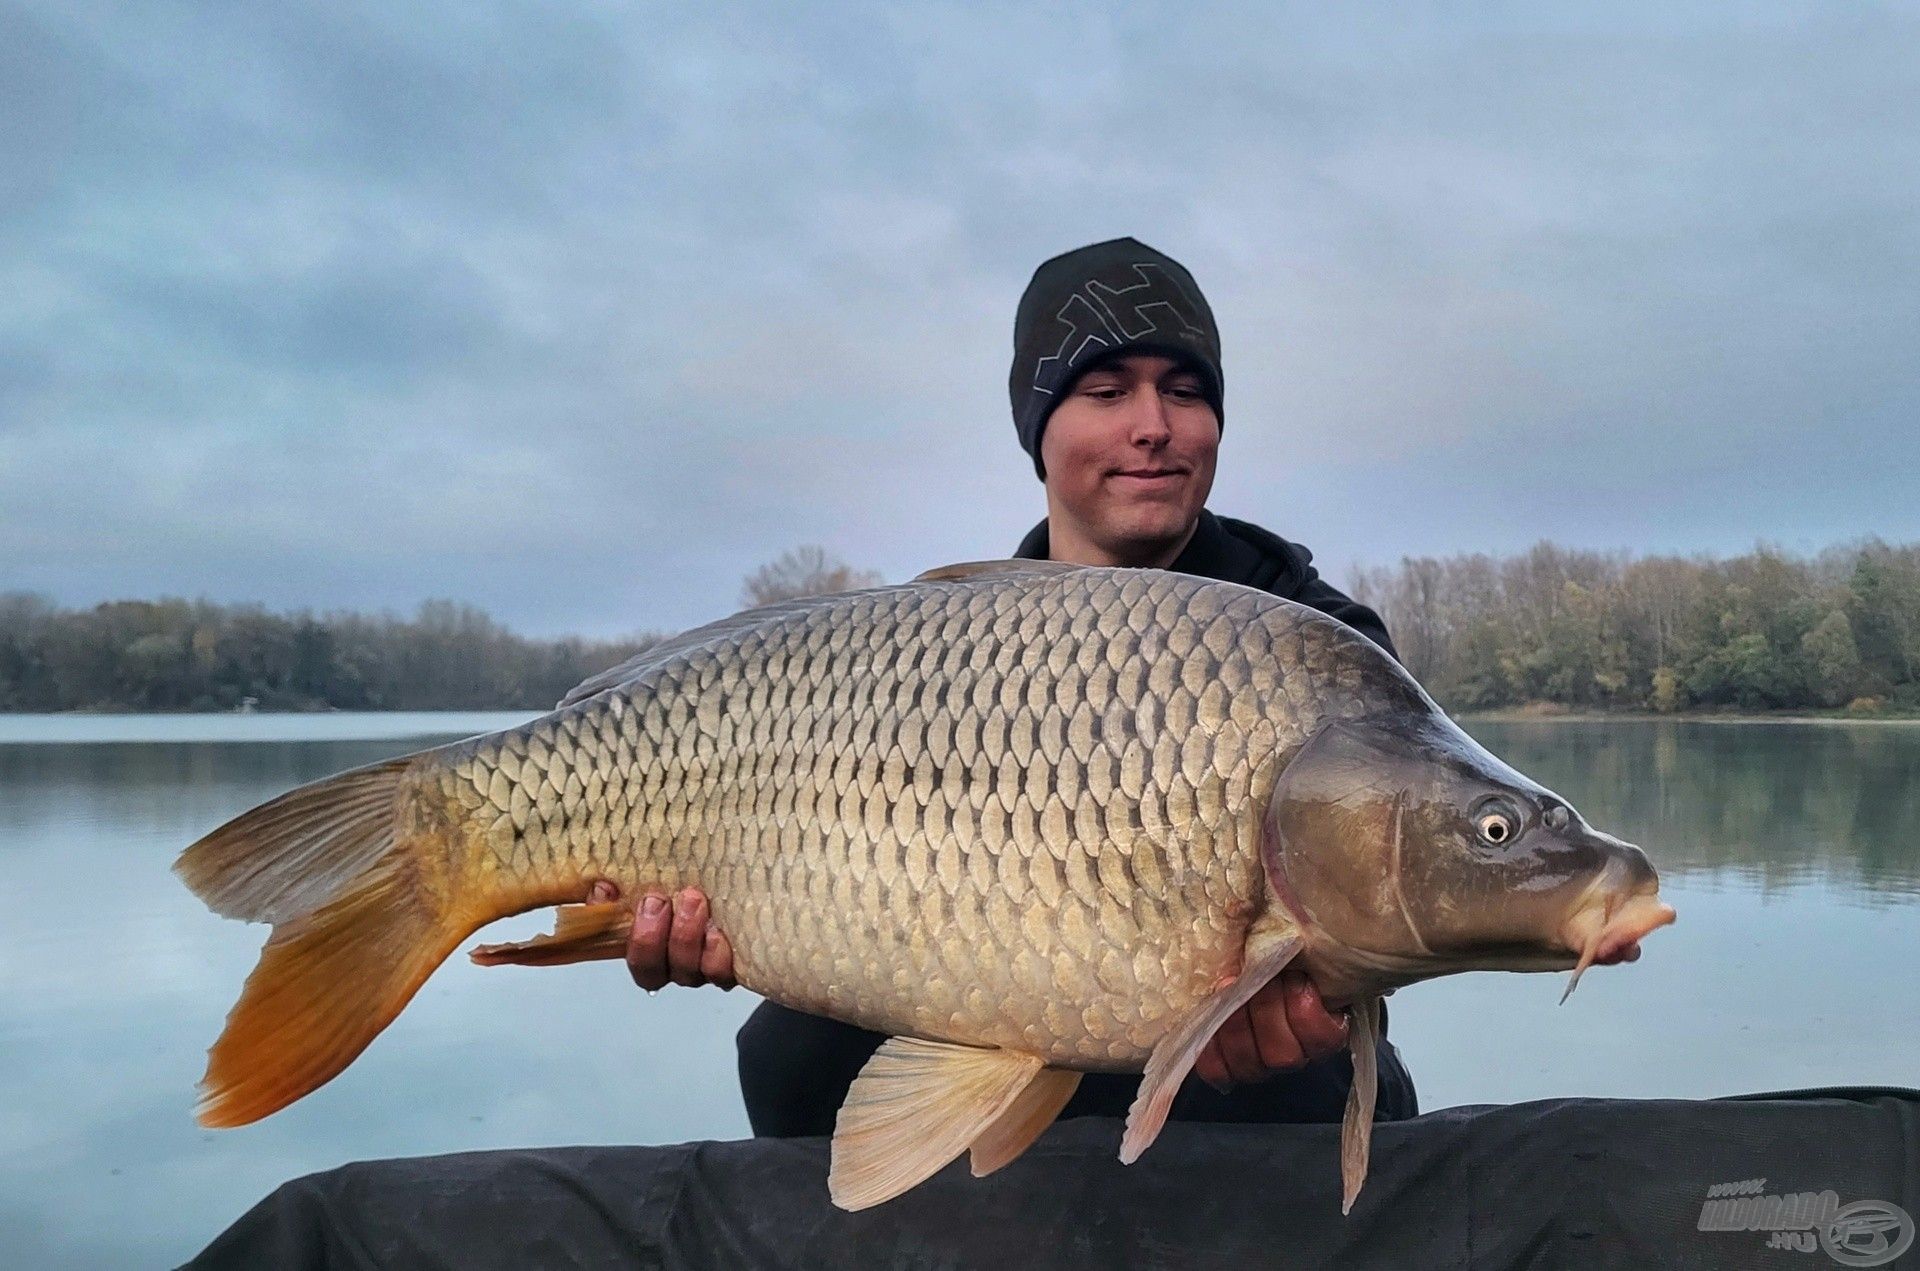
<point x="1100" y="316"/>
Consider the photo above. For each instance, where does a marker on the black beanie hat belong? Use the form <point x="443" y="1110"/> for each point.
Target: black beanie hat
<point x="1094" y="303"/>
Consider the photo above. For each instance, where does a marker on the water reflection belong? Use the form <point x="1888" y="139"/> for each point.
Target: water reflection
<point x="115" y="980"/>
<point x="1759" y="805"/>
<point x="1791" y="852"/>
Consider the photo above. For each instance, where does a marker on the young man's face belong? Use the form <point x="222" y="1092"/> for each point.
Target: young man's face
<point x="1129" y="457"/>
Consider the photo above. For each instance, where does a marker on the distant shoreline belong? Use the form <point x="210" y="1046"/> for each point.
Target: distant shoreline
<point x="111" y="712"/>
<point x="1534" y="715"/>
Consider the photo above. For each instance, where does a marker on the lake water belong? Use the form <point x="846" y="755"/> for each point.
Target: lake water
<point x="1792" y="852"/>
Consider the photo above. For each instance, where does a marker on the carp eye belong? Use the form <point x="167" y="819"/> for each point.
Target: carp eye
<point x="1497" y="824"/>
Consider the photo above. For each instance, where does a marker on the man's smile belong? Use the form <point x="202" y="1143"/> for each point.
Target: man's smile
<point x="1152" y="478"/>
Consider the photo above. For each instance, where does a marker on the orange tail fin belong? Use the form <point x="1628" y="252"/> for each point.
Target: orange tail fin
<point x="357" y="930"/>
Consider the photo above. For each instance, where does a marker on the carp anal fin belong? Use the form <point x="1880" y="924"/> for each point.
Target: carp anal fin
<point x="1173" y="1058"/>
<point x="1356" y="1128"/>
<point x="1014" y="1130"/>
<point x="581" y="933"/>
<point x="914" y="1107"/>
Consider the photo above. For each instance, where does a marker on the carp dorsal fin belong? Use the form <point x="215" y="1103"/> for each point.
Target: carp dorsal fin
<point x="1268" y="953"/>
<point x="1014" y="1130"/>
<point x="1356" y="1128"/>
<point x="654" y="654"/>
<point x="967" y="570"/>
<point x="914" y="1107"/>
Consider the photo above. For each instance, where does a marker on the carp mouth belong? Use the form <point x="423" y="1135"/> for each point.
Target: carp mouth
<point x="1608" y="929"/>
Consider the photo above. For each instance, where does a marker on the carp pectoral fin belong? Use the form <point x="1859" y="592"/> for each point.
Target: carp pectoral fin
<point x="1356" y="1128"/>
<point x="914" y="1107"/>
<point x="1031" y="1112"/>
<point x="1173" y="1058"/>
<point x="581" y="933"/>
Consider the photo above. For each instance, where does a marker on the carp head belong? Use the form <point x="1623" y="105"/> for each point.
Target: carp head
<point x="1407" y="851"/>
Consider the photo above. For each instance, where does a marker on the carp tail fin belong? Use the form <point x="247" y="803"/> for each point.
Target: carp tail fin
<point x="357" y="929"/>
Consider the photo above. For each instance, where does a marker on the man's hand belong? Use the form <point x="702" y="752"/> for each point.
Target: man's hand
<point x="673" y="943"/>
<point x="1284" y="1025"/>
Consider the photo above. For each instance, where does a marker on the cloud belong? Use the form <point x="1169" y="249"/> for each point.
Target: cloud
<point x="581" y="314"/>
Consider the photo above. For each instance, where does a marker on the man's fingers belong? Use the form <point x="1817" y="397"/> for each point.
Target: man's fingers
<point x="1284" y="1025"/>
<point x="1238" y="1050"/>
<point x="1210" y="1068"/>
<point x="647" y="947"/>
<point x="602" y="892"/>
<point x="1267" y="1015"/>
<point x="716" y="959"/>
<point x="688" y="940"/>
<point x="1319" y="1032"/>
<point x="673" y="941"/>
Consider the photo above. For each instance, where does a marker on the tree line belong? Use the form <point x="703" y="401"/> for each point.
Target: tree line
<point x="180" y="655"/>
<point x="1764" y="631"/>
<point x="1767" y="630"/>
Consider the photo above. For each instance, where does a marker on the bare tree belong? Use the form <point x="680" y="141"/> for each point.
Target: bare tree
<point x="804" y="571"/>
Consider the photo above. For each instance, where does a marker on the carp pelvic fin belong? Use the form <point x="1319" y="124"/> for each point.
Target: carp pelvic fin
<point x="1014" y="1130"/>
<point x="581" y="933"/>
<point x="914" y="1107"/>
<point x="1173" y="1058"/>
<point x="1356" y="1128"/>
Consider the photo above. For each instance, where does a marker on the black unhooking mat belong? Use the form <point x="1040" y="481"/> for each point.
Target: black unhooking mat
<point x="1796" y="1180"/>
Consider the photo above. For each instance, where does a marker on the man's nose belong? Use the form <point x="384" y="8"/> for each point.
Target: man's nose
<point x="1150" y="426"/>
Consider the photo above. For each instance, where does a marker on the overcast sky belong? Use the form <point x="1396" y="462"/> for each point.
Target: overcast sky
<point x="579" y="312"/>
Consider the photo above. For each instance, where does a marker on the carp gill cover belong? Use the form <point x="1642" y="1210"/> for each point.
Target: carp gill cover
<point x="1030" y="819"/>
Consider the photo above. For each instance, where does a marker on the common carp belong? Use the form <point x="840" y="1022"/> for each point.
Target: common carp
<point x="1030" y="819"/>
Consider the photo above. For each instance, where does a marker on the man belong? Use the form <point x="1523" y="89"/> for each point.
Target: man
<point x="1116" y="390"/>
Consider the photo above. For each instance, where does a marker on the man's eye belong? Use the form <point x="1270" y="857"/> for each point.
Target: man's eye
<point x="1184" y="393"/>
